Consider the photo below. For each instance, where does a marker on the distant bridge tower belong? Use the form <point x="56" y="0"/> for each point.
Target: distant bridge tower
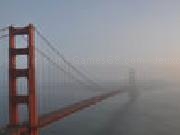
<point x="132" y="77"/>
<point x="16" y="98"/>
<point x="132" y="90"/>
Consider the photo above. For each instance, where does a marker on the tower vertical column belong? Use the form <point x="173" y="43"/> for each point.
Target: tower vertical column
<point x="33" y="116"/>
<point x="15" y="98"/>
<point x="13" y="108"/>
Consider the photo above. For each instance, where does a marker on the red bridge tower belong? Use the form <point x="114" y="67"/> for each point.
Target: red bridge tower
<point x="16" y="98"/>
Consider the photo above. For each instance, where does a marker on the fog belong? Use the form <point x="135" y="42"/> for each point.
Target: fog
<point x="105" y="40"/>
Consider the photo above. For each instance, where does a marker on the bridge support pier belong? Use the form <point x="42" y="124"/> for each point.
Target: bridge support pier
<point x="16" y="98"/>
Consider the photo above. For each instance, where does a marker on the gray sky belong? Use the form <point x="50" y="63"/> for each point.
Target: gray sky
<point x="127" y="29"/>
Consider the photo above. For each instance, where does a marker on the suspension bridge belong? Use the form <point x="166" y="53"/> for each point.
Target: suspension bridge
<point x="33" y="71"/>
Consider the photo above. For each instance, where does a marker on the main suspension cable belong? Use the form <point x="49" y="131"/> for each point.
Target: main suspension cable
<point x="65" y="60"/>
<point x="60" y="68"/>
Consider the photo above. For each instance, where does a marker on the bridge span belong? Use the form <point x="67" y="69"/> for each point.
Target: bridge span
<point x="35" y="122"/>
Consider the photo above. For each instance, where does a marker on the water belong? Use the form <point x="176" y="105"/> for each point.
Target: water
<point x="156" y="111"/>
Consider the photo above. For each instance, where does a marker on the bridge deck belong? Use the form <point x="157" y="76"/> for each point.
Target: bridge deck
<point x="66" y="111"/>
<point x="57" y="115"/>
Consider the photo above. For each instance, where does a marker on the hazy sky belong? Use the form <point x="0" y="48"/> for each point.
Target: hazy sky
<point x="146" y="29"/>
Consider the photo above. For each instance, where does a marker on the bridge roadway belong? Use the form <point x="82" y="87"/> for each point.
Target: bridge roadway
<point x="57" y="115"/>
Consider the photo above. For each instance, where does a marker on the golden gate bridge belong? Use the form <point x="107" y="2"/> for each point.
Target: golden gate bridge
<point x="43" y="69"/>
